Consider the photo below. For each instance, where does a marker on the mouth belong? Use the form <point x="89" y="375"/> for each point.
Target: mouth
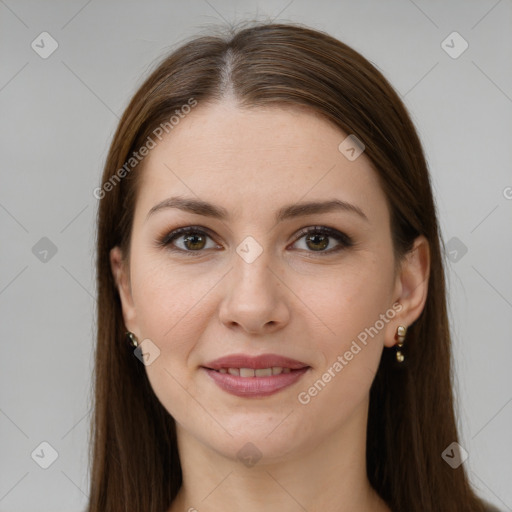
<point x="254" y="372"/>
<point x="252" y="377"/>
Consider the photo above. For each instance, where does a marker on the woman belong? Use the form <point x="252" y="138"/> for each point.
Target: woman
<point x="272" y="325"/>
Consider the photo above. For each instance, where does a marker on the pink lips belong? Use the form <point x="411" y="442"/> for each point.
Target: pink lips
<point x="263" y="361"/>
<point x="252" y="387"/>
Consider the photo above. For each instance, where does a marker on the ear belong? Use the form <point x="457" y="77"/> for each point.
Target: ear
<point x="411" y="287"/>
<point x="121" y="272"/>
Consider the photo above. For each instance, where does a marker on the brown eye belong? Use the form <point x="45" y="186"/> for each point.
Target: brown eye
<point x="188" y="240"/>
<point x="319" y="238"/>
<point x="194" y="242"/>
<point x="317" y="242"/>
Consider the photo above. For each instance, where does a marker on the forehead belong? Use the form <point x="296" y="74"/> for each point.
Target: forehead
<point x="256" y="158"/>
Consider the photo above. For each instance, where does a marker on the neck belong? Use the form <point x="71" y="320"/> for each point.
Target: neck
<point x="328" y="476"/>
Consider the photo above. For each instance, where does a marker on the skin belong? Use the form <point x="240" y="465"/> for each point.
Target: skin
<point x="292" y="300"/>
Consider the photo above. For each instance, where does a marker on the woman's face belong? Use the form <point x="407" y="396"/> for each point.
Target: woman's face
<point x="255" y="283"/>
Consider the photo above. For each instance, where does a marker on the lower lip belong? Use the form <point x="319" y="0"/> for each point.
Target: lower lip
<point x="253" y="387"/>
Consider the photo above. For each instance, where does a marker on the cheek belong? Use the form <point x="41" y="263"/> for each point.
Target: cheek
<point x="347" y="300"/>
<point x="353" y="306"/>
<point x="167" y="297"/>
<point x="171" y="313"/>
<point x="350" y="307"/>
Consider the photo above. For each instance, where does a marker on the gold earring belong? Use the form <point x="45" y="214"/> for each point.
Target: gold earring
<point x="400" y="333"/>
<point x="132" y="339"/>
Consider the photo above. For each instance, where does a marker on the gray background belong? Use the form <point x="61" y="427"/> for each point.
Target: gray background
<point x="57" y="119"/>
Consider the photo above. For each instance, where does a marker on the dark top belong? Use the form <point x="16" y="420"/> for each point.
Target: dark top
<point x="489" y="507"/>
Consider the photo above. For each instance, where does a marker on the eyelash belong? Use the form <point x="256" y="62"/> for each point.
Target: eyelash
<point x="344" y="240"/>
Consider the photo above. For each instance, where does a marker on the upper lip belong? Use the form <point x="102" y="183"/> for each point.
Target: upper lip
<point x="254" y="362"/>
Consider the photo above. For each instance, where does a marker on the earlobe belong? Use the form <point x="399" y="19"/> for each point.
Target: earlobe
<point x="120" y="272"/>
<point x="412" y="281"/>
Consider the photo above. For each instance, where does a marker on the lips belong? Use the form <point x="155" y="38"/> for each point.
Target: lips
<point x="252" y="377"/>
<point x="255" y="362"/>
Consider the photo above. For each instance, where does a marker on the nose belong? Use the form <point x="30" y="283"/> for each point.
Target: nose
<point x="255" y="298"/>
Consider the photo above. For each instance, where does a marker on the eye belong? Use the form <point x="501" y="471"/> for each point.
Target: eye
<point x="318" y="239"/>
<point x="189" y="239"/>
<point x="194" y="239"/>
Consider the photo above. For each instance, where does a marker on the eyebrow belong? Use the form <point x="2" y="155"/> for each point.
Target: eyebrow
<point x="286" y="212"/>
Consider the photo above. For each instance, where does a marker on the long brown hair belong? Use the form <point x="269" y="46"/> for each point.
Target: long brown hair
<point x="135" y="461"/>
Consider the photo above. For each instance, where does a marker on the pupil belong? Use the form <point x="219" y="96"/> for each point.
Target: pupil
<point x="315" y="238"/>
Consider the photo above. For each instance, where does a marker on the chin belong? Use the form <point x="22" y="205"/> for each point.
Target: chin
<point x="257" y="437"/>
